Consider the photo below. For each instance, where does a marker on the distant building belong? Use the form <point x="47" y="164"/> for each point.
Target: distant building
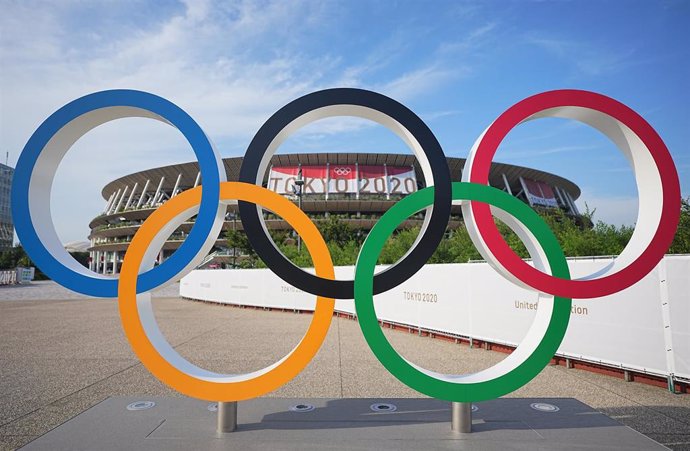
<point x="356" y="188"/>
<point x="6" y="224"/>
<point x="77" y="246"/>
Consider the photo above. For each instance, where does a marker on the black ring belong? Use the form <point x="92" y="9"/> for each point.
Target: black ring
<point x="415" y="259"/>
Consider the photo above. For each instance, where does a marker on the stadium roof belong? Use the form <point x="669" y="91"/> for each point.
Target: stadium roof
<point x="232" y="167"/>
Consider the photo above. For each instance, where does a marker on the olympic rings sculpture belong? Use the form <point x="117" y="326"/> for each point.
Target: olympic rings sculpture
<point x="659" y="210"/>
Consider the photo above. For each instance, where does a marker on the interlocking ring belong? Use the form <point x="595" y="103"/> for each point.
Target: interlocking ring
<point x="655" y="174"/>
<point x="38" y="162"/>
<point x="146" y="339"/>
<point x="659" y="212"/>
<point x="542" y="339"/>
<point x="368" y="105"/>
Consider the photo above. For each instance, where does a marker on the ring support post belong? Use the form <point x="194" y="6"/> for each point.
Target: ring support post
<point x="227" y="417"/>
<point x="461" y="417"/>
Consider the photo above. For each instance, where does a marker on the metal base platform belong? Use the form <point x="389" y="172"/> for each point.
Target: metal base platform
<point x="335" y="424"/>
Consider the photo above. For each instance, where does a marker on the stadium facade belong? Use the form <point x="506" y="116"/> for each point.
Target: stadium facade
<point x="356" y="187"/>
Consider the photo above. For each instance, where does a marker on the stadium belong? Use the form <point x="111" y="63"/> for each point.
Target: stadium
<point x="356" y="187"/>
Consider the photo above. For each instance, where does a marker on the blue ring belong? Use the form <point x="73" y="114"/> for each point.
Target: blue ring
<point x="208" y="165"/>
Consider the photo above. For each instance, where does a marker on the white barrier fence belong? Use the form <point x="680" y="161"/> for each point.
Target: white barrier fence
<point x="19" y="275"/>
<point x="644" y="328"/>
<point x="8" y="277"/>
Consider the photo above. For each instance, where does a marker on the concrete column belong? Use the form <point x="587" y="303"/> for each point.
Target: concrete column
<point x="115" y="269"/>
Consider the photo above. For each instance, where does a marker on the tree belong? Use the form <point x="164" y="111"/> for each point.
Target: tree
<point x="579" y="237"/>
<point x="681" y="242"/>
<point x="397" y="245"/>
<point x="336" y="231"/>
<point x="238" y="241"/>
<point x="81" y="257"/>
<point x="14" y="257"/>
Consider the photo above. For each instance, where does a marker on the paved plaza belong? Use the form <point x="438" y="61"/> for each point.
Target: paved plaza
<point x="62" y="353"/>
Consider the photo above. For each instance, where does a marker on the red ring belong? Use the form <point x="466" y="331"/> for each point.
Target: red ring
<point x="670" y="214"/>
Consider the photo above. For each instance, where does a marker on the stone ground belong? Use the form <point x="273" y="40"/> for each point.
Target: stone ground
<point x="61" y="353"/>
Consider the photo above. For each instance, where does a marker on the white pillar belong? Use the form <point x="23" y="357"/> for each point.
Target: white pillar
<point x="560" y="196"/>
<point x="357" y="178"/>
<point x="198" y="177"/>
<point x="177" y="185"/>
<point x="328" y="179"/>
<point x="385" y="179"/>
<point x="143" y="193"/>
<point x="158" y="190"/>
<point x="526" y="191"/>
<point x="566" y="201"/>
<point x="115" y="270"/>
<point x="109" y="203"/>
<point x="110" y="210"/>
<point x="505" y="181"/>
<point x="119" y="203"/>
<point x="131" y="195"/>
<point x="572" y="201"/>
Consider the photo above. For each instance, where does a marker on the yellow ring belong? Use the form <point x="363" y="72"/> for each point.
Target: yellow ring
<point x="275" y="376"/>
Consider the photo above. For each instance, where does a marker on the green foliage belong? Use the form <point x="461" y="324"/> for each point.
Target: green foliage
<point x="457" y="248"/>
<point x="336" y="231"/>
<point x="81" y="257"/>
<point x="681" y="242"/>
<point x="343" y="243"/>
<point x="238" y="240"/>
<point x="10" y="258"/>
<point x="578" y="237"/>
<point x="397" y="245"/>
<point x="15" y="257"/>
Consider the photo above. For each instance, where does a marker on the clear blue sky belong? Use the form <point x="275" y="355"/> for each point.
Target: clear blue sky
<point x="457" y="64"/>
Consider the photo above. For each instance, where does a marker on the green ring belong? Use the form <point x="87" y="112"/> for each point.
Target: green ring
<point x="409" y="374"/>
